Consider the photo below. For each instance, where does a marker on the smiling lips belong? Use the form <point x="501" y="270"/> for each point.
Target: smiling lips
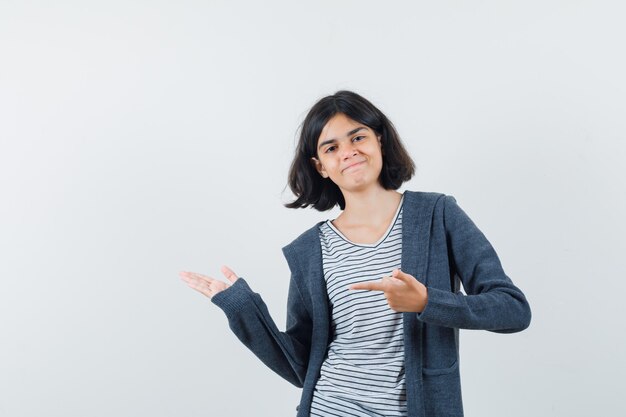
<point x="353" y="165"/>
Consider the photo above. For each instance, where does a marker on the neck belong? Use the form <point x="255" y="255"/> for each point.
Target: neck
<point x="369" y="206"/>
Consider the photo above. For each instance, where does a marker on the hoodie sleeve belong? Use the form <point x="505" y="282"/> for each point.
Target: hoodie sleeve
<point x="492" y="302"/>
<point x="286" y="353"/>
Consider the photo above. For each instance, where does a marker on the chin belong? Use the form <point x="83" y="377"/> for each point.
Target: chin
<point x="355" y="186"/>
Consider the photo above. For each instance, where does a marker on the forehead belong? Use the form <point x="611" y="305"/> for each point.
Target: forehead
<point x="338" y="127"/>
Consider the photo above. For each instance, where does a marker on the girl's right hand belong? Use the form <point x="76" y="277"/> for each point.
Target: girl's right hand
<point x="207" y="285"/>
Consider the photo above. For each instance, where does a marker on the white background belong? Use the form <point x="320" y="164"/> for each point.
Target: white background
<point x="141" y="138"/>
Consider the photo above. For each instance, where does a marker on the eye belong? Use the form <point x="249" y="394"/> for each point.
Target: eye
<point x="330" y="149"/>
<point x="358" y="138"/>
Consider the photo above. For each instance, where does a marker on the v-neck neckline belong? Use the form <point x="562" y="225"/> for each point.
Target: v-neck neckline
<point x="381" y="239"/>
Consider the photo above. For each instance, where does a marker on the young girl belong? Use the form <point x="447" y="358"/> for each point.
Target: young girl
<point x="374" y="302"/>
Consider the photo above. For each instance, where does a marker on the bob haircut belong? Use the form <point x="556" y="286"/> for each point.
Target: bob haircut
<point x="309" y="187"/>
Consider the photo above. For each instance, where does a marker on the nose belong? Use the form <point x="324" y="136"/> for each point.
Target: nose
<point x="348" y="151"/>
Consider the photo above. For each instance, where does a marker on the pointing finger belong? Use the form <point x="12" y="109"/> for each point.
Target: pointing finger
<point x="369" y="285"/>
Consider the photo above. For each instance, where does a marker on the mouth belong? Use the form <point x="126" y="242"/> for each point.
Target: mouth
<point x="352" y="166"/>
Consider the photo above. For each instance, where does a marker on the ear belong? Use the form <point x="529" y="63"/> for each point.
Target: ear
<point x="380" y="142"/>
<point x="319" y="167"/>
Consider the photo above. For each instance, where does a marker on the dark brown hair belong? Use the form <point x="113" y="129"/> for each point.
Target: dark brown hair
<point x="309" y="187"/>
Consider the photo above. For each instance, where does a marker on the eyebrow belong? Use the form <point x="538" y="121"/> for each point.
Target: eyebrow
<point x="333" y="140"/>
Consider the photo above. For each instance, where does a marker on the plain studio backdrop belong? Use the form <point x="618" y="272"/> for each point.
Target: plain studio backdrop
<point x="142" y="138"/>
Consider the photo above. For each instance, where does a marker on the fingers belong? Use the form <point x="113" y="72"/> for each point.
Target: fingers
<point x="229" y="274"/>
<point x="198" y="282"/>
<point x="368" y="285"/>
<point x="383" y="284"/>
<point x="185" y="275"/>
<point x="207" y="285"/>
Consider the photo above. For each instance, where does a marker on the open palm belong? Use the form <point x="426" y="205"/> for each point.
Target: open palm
<point x="207" y="285"/>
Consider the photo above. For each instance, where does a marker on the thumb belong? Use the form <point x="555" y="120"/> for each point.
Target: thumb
<point x="228" y="273"/>
<point x="402" y="276"/>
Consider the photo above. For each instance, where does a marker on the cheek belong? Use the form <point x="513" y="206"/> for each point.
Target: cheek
<point x="379" y="157"/>
<point x="328" y="163"/>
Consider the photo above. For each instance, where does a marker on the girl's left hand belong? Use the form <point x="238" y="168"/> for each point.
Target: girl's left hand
<point x="403" y="292"/>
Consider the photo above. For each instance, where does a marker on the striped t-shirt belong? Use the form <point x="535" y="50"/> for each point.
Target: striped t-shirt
<point x="363" y="374"/>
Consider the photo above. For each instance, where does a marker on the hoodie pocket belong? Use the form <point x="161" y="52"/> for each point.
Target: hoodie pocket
<point x="441" y="371"/>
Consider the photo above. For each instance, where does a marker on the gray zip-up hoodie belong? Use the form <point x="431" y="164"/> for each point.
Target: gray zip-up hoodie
<point x="442" y="248"/>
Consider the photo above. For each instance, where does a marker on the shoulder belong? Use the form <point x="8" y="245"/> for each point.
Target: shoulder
<point x="443" y="208"/>
<point x="424" y="201"/>
<point x="307" y="243"/>
<point x="307" y="237"/>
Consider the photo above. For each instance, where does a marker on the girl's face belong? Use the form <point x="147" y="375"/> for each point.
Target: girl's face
<point x="349" y="153"/>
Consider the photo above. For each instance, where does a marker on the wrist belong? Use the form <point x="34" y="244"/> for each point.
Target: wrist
<point x="423" y="300"/>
